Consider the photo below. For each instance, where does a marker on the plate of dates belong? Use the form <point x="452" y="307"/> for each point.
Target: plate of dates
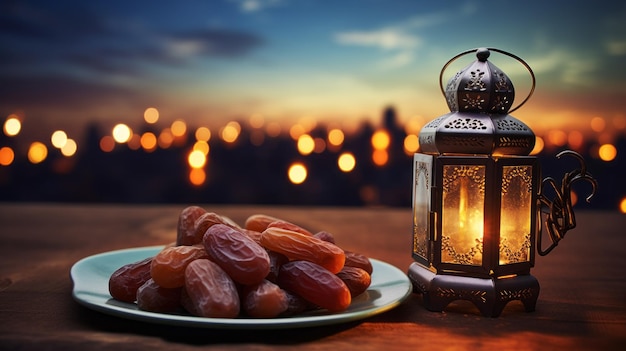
<point x="389" y="287"/>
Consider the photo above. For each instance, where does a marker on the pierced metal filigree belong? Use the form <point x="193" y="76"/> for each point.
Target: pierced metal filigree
<point x="559" y="212"/>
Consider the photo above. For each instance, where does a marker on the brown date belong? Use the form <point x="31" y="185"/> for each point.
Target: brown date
<point x="185" y="230"/>
<point x="209" y="291"/>
<point x="289" y="226"/>
<point x="355" y="259"/>
<point x="203" y="223"/>
<point x="298" y="246"/>
<point x="356" y="279"/>
<point x="315" y="284"/>
<point x="125" y="281"/>
<point x="259" y="222"/>
<point x="244" y="260"/>
<point x="168" y="266"/>
<point x="276" y="260"/>
<point x="264" y="300"/>
<point x="154" y="298"/>
<point x="326" y="236"/>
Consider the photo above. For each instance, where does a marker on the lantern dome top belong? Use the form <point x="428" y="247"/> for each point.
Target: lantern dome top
<point x="480" y="96"/>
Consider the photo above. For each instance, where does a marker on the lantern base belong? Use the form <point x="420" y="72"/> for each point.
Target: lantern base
<point x="490" y="295"/>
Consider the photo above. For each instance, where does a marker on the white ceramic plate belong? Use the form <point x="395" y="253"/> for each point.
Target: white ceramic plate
<point x="388" y="289"/>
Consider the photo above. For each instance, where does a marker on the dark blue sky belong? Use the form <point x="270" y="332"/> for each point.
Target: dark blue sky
<point x="64" y="62"/>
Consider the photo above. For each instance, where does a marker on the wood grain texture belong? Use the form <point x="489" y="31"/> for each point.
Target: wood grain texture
<point x="582" y="303"/>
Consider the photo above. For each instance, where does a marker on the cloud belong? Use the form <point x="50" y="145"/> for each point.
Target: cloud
<point x="256" y="5"/>
<point x="386" y="38"/>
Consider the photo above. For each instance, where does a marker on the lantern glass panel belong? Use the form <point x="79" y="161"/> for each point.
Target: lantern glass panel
<point x="463" y="214"/>
<point x="421" y="205"/>
<point x="515" y="215"/>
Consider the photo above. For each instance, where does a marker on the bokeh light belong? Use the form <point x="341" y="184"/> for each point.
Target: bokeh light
<point x="179" y="128"/>
<point x="297" y="173"/>
<point x="201" y="146"/>
<point x="598" y="124"/>
<point x="121" y="133"/>
<point x="148" y="141"/>
<point x="196" y="159"/>
<point x="380" y="157"/>
<point x="107" y="143"/>
<point x="346" y="162"/>
<point x="6" y="156"/>
<point x="230" y="132"/>
<point x="306" y="144"/>
<point x="12" y="126"/>
<point x="197" y="176"/>
<point x="37" y="152"/>
<point x="335" y="137"/>
<point x="58" y="139"/>
<point x="380" y="140"/>
<point x="151" y="115"/>
<point x="607" y="152"/>
<point x="622" y="205"/>
<point x="203" y="134"/>
<point x="539" y="145"/>
<point x="411" y="144"/>
<point x="69" y="148"/>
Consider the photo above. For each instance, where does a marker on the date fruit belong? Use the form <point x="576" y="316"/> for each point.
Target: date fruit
<point x="298" y="246"/>
<point x="154" y="298"/>
<point x="356" y="279"/>
<point x="355" y="259"/>
<point x="209" y="291"/>
<point x="315" y="284"/>
<point x="264" y="300"/>
<point x="185" y="230"/>
<point x="244" y="260"/>
<point x="168" y="266"/>
<point x="259" y="222"/>
<point x="125" y="281"/>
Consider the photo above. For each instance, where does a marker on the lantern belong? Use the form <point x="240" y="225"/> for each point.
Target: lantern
<point x="477" y="198"/>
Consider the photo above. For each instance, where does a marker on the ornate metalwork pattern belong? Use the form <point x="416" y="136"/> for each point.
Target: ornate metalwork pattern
<point x="466" y="258"/>
<point x="474" y="173"/>
<point x="508" y="295"/>
<point x="560" y="216"/>
<point x="523" y="174"/>
<point x="475" y="82"/>
<point x="462" y="141"/>
<point x="514" y="255"/>
<point x="501" y="104"/>
<point x="509" y="125"/>
<point x="501" y="83"/>
<point x="517" y="142"/>
<point x="466" y="123"/>
<point x="479" y="296"/>
<point x="434" y="124"/>
<point x="474" y="103"/>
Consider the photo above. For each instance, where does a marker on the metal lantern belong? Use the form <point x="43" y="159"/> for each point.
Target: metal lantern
<point x="477" y="198"/>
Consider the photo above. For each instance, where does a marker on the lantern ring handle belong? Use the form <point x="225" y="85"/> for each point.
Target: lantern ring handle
<point x="519" y="59"/>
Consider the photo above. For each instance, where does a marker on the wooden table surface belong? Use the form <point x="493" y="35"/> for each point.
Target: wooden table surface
<point x="582" y="303"/>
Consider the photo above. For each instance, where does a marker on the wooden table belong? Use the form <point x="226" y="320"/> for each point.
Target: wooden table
<point x="582" y="304"/>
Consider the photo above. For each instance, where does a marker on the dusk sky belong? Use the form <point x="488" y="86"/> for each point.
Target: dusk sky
<point x="66" y="62"/>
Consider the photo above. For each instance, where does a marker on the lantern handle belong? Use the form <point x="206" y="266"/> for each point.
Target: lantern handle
<point x="519" y="59"/>
<point x="559" y="212"/>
